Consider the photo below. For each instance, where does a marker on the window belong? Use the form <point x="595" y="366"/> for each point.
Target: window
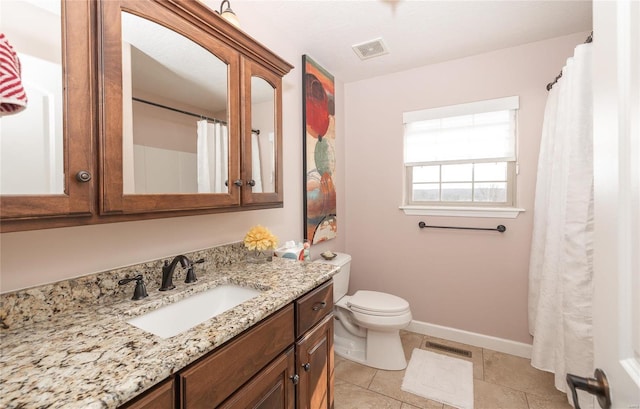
<point x="461" y="156"/>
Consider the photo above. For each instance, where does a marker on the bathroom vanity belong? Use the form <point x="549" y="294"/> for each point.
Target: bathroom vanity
<point x="251" y="371"/>
<point x="272" y="351"/>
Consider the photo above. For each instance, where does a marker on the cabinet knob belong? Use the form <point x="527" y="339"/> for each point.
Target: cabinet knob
<point x="306" y="366"/>
<point x="83" y="176"/>
<point x="237" y="182"/>
<point x="295" y="379"/>
<point x="251" y="183"/>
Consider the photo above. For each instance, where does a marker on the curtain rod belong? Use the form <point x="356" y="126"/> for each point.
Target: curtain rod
<point x="155" y="104"/>
<point x="552" y="83"/>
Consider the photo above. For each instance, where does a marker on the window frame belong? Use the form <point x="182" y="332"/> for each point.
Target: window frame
<point x="510" y="181"/>
<point x="506" y="209"/>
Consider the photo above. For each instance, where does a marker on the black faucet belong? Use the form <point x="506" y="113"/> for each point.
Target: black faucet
<point x="167" y="271"/>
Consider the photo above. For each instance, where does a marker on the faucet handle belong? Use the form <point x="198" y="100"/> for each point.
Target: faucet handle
<point x="140" y="291"/>
<point x="191" y="274"/>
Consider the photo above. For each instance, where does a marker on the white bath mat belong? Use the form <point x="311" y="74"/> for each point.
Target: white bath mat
<point x="441" y="378"/>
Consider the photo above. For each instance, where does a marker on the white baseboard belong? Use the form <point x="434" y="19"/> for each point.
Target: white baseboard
<point x="471" y="338"/>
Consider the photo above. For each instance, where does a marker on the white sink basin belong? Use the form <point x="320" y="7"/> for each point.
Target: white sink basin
<point x="180" y="316"/>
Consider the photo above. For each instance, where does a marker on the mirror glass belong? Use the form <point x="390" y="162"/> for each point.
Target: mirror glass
<point x="31" y="146"/>
<point x="263" y="141"/>
<point x="175" y="115"/>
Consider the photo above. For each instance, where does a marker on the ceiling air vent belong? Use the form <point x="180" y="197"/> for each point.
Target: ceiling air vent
<point x="370" y="49"/>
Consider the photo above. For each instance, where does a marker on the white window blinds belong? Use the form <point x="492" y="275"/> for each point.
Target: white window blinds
<point x="478" y="131"/>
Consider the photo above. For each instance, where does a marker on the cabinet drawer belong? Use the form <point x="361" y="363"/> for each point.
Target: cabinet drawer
<point x="210" y="381"/>
<point x="313" y="306"/>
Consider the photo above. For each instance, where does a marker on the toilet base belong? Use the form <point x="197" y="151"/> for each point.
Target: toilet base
<point x="384" y="350"/>
<point x="351" y="349"/>
<point x="381" y="350"/>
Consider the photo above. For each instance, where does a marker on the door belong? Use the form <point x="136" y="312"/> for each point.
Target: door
<point x="617" y="198"/>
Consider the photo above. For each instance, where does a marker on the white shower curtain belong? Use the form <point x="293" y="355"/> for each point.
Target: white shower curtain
<point x="561" y="268"/>
<point x="213" y="154"/>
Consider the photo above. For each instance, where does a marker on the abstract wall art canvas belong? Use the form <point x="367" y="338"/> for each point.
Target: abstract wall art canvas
<point x="319" y="154"/>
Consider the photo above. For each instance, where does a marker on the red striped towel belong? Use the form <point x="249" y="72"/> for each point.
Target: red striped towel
<point x="13" y="99"/>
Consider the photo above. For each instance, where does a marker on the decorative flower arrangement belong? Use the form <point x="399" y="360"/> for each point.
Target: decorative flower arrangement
<point x="260" y="239"/>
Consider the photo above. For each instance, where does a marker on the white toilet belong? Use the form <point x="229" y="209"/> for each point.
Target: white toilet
<point x="367" y="323"/>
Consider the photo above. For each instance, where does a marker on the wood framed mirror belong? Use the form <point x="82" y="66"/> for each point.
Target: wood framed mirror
<point x="170" y="115"/>
<point x="47" y="149"/>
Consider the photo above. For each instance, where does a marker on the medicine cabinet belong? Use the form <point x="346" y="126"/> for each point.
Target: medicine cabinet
<point x="168" y="111"/>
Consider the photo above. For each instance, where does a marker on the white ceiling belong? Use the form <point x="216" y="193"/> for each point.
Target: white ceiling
<point x="416" y="32"/>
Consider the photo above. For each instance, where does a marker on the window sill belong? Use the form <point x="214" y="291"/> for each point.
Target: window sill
<point x="462" y="211"/>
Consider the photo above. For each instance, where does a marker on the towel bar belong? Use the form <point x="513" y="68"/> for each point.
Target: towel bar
<point x="501" y="228"/>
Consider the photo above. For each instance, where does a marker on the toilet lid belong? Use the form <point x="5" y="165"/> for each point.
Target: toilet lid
<point x="374" y="302"/>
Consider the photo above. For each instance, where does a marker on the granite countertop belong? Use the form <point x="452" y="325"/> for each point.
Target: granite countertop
<point x="90" y="357"/>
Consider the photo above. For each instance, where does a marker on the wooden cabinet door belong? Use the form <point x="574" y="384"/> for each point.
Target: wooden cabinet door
<point x="272" y="388"/>
<point x="74" y="199"/>
<point x="314" y="364"/>
<point x="161" y="396"/>
<point x="262" y="159"/>
<point x="188" y="24"/>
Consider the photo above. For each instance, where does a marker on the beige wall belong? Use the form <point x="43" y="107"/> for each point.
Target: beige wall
<point x="468" y="280"/>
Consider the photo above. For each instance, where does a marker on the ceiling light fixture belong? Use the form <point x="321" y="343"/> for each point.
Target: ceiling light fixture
<point x="228" y="14"/>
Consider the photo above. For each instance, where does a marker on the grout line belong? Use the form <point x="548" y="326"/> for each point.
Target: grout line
<point x="372" y="378"/>
<point x="387" y="396"/>
<point x="378" y="393"/>
<point x="526" y="399"/>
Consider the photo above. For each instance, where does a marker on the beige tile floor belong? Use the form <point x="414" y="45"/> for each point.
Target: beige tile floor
<point x="501" y="381"/>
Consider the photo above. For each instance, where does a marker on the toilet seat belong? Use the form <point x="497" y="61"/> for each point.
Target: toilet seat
<point x="377" y="304"/>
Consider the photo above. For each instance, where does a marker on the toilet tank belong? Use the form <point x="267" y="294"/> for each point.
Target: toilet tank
<point x="341" y="278"/>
